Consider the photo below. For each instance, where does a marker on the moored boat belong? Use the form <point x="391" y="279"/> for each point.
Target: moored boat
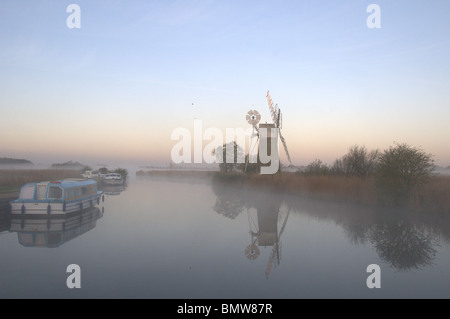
<point x="56" y="197"/>
<point x="113" y="179"/>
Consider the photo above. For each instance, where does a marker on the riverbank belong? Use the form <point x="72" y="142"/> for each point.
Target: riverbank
<point x="12" y="179"/>
<point x="433" y="196"/>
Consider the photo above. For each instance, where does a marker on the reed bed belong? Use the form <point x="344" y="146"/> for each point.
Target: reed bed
<point x="12" y="179"/>
<point x="176" y="173"/>
<point x="433" y="196"/>
<point x="338" y="188"/>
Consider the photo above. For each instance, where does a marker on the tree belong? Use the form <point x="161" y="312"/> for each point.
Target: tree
<point x="315" y="168"/>
<point x="402" y="168"/>
<point x="357" y="162"/>
<point x="232" y="157"/>
<point x="85" y="169"/>
<point x="103" y="170"/>
<point x="122" y="171"/>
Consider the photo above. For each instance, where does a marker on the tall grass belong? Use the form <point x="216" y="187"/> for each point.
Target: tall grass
<point x="176" y="173"/>
<point x="12" y="179"/>
<point x="340" y="188"/>
<point x="433" y="196"/>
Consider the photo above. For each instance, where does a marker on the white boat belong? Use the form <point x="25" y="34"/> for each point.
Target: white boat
<point x="57" y="197"/>
<point x="90" y="174"/>
<point x="113" y="179"/>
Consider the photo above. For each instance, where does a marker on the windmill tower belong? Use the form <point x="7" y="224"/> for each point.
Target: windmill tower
<point x="267" y="135"/>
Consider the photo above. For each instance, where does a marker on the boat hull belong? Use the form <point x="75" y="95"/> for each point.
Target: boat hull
<point x="55" y="207"/>
<point x="113" y="181"/>
<point x="53" y="231"/>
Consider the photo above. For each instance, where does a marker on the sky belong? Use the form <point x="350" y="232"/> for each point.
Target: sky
<point x="117" y="87"/>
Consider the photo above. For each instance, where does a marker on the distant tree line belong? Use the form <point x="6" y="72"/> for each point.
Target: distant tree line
<point x="397" y="170"/>
<point x="69" y="164"/>
<point x="357" y="162"/>
<point x="9" y="161"/>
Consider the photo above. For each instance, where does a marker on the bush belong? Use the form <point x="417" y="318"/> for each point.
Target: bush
<point x="225" y="151"/>
<point x="357" y="162"/>
<point x="402" y="168"/>
<point x="122" y="171"/>
<point x="315" y="168"/>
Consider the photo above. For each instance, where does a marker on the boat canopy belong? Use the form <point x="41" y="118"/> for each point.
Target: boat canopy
<point x="72" y="183"/>
<point x="58" y="189"/>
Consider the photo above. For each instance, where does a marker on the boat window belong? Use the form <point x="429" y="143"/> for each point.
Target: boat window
<point x="27" y="192"/>
<point x="85" y="191"/>
<point x="54" y="192"/>
<point x="94" y="189"/>
<point x="41" y="191"/>
<point x="69" y="193"/>
<point x="76" y="192"/>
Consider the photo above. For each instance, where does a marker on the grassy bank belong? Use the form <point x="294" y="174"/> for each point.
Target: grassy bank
<point x="12" y="180"/>
<point x="433" y="196"/>
<point x="177" y="173"/>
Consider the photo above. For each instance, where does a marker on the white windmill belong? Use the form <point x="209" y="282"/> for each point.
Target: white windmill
<point x="264" y="131"/>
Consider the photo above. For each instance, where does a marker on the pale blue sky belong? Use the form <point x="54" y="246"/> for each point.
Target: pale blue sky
<point x="118" y="86"/>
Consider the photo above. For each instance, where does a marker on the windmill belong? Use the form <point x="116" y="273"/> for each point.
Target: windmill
<point x="253" y="118"/>
<point x="275" y="112"/>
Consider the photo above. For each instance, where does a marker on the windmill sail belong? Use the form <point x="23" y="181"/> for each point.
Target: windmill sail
<point x="276" y="250"/>
<point x="274" y="110"/>
<point x="285" y="146"/>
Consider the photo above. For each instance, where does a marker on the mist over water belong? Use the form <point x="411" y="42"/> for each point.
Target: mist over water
<point x="159" y="237"/>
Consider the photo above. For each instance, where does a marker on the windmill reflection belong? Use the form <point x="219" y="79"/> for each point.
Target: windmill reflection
<point x="267" y="221"/>
<point x="402" y="239"/>
<point x="54" y="231"/>
<point x="264" y="232"/>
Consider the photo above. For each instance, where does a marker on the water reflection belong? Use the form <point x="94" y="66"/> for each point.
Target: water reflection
<point x="404" y="240"/>
<point x="264" y="232"/>
<point x="229" y="202"/>
<point x="50" y="232"/>
<point x="4" y="221"/>
<point x="399" y="242"/>
<point x="265" y="226"/>
<point x="113" y="190"/>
